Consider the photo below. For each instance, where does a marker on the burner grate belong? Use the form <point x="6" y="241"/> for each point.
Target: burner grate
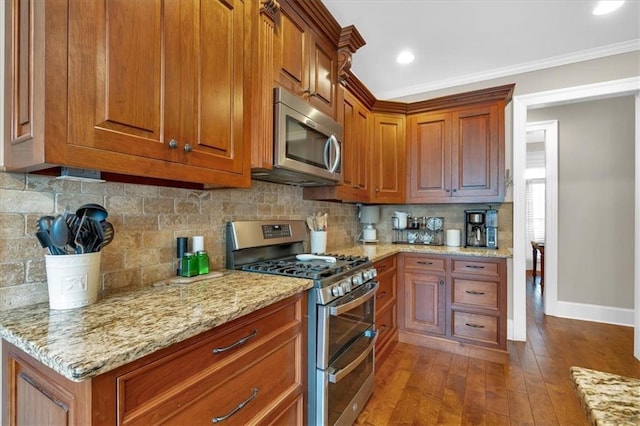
<point x="315" y="270"/>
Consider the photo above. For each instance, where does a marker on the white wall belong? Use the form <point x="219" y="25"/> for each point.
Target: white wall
<point x="595" y="200"/>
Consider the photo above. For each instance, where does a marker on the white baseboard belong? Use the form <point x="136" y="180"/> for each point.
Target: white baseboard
<point x="595" y="313"/>
<point x="511" y="334"/>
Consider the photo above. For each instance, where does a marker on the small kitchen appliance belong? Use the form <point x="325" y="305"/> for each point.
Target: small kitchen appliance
<point x="341" y="312"/>
<point x="369" y="216"/>
<point x="475" y="228"/>
<point x="481" y="228"/>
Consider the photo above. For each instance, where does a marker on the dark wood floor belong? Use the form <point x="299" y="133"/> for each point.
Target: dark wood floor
<point x="421" y="386"/>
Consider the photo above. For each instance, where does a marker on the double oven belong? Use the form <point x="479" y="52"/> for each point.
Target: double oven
<point x="341" y="313"/>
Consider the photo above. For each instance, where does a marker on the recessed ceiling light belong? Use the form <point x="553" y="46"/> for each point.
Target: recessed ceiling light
<point x="607" y="6"/>
<point x="405" y="57"/>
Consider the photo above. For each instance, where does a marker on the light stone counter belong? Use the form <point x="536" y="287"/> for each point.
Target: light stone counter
<point x="376" y="252"/>
<point x="85" y="342"/>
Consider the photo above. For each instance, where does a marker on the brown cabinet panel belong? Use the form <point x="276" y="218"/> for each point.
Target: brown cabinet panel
<point x="457" y="155"/>
<point x="182" y="384"/>
<point x="476" y="152"/>
<point x="473" y="266"/>
<point x="151" y="89"/>
<point x="481" y="328"/>
<point x="424" y="263"/>
<point x="386" y="306"/>
<point x="305" y="63"/>
<point x="424" y="306"/>
<point x="474" y="293"/>
<point x="459" y="298"/>
<point x="388" y="165"/>
<point x="429" y="156"/>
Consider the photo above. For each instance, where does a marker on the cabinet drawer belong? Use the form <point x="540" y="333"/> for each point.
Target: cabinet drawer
<point x="477" y="267"/>
<point x="265" y="376"/>
<point x="424" y="263"/>
<point x="386" y="294"/>
<point x="385" y="265"/>
<point x="482" y="328"/>
<point x="139" y="386"/>
<point x="386" y="325"/>
<point x="475" y="293"/>
<point x="259" y="384"/>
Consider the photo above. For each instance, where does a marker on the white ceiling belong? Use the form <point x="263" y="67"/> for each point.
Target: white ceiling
<point x="464" y="41"/>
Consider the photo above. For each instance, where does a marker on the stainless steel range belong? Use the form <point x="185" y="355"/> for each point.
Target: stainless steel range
<point x="341" y="312"/>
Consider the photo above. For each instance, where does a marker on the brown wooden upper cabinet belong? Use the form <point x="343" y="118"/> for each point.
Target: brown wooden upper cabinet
<point x="457" y="155"/>
<point x="387" y="173"/>
<point x="151" y="89"/>
<point x="306" y="64"/>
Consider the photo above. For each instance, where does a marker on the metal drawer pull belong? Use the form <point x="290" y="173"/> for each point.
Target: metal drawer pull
<point x="382" y="328"/>
<point x="474" y="325"/>
<point x="475" y="292"/>
<point x="238" y="408"/>
<point x="424" y="263"/>
<point x="236" y="344"/>
<point x="381" y="295"/>
<point x="474" y="267"/>
<point x="344" y="372"/>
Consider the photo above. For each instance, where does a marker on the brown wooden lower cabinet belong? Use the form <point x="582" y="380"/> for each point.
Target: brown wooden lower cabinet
<point x="453" y="303"/>
<point x="386" y="307"/>
<point x="208" y="377"/>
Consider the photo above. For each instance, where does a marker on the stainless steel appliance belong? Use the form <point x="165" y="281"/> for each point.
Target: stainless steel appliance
<point x="307" y="144"/>
<point x="341" y="313"/>
<point x="481" y="228"/>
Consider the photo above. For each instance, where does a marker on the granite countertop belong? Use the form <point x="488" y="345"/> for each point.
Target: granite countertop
<point x="118" y="329"/>
<point x="379" y="251"/>
<point x="608" y="399"/>
<point x="85" y="342"/>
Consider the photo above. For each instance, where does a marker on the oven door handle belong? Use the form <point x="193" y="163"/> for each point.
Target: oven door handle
<point x="343" y="372"/>
<point x="341" y="309"/>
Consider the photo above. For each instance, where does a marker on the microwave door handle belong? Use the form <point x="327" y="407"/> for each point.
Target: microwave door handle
<point x="327" y="147"/>
<point x="343" y="372"/>
<point x="336" y="145"/>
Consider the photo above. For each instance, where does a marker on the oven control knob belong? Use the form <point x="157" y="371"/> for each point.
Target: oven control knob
<point x="346" y="285"/>
<point x="337" y="291"/>
<point x="357" y="279"/>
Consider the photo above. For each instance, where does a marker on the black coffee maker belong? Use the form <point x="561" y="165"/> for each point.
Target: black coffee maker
<point x="475" y="228"/>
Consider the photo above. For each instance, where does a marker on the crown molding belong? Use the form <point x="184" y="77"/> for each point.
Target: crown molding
<point x="584" y="55"/>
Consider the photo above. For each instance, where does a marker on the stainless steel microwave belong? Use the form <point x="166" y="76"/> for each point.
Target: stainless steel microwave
<point x="307" y="144"/>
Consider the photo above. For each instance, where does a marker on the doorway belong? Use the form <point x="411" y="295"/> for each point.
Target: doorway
<point x="521" y="104"/>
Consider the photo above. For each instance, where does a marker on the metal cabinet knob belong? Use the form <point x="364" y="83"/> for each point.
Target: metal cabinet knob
<point x="377" y="189"/>
<point x="441" y="282"/>
<point x="173" y="144"/>
<point x="188" y="148"/>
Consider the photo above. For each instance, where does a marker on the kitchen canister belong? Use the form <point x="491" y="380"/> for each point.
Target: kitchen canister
<point x="453" y="237"/>
<point x="73" y="280"/>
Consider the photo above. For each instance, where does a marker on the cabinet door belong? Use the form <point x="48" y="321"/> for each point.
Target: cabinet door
<point x="291" y="51"/>
<point x="424" y="305"/>
<point x="429" y="158"/>
<point x="158" y="80"/>
<point x="476" y="155"/>
<point x="211" y="83"/>
<point x="356" y="155"/>
<point x="323" y="70"/>
<point x="388" y="165"/>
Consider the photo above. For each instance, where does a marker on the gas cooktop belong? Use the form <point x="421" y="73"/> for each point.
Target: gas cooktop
<point x="311" y="269"/>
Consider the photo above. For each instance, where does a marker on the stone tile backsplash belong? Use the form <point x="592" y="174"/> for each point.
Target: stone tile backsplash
<point x="147" y="220"/>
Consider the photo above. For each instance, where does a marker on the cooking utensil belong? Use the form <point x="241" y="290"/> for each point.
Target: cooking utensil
<point x="59" y="232"/>
<point x="307" y="257"/>
<point x="92" y="210"/>
<point x="109" y="232"/>
<point x="44" y="223"/>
